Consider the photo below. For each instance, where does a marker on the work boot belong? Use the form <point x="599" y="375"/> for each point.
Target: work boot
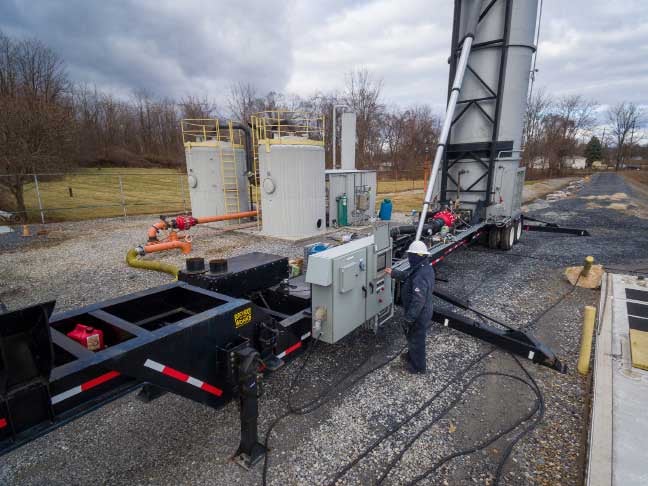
<point x="411" y="370"/>
<point x="407" y="364"/>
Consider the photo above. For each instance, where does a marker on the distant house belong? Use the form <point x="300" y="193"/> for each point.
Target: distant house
<point x="385" y="166"/>
<point x="574" y="162"/>
<point x="539" y="163"/>
<point x="637" y="163"/>
<point x="599" y="165"/>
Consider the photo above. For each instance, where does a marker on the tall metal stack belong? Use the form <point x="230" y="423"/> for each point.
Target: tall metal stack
<point x="481" y="166"/>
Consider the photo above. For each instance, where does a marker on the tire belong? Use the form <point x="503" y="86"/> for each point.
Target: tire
<point x="518" y="230"/>
<point x="507" y="239"/>
<point x="493" y="237"/>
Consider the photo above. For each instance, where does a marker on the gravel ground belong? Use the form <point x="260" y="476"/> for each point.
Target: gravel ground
<point x="175" y="441"/>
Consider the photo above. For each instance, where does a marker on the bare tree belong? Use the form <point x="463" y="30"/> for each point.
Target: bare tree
<point x="37" y="127"/>
<point x="242" y="101"/>
<point x="195" y="107"/>
<point x="624" y="118"/>
<point x="538" y="107"/>
<point x="554" y="129"/>
<point x="363" y="96"/>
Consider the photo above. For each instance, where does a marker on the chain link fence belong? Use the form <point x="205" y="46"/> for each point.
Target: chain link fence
<point x="95" y="193"/>
<point x="118" y="192"/>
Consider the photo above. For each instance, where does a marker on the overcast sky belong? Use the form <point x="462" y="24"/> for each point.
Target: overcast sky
<point x="598" y="48"/>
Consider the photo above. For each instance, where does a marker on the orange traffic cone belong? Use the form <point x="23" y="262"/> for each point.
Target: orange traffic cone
<point x="26" y="231"/>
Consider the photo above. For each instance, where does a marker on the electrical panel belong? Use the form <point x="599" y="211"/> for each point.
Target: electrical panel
<point x="349" y="286"/>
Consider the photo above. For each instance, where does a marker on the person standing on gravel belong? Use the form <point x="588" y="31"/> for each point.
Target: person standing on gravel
<point x="416" y="298"/>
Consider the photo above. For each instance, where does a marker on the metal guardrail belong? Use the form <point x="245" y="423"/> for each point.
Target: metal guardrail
<point x="84" y="195"/>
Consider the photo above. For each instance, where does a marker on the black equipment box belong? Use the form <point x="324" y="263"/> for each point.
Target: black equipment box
<point x="242" y="275"/>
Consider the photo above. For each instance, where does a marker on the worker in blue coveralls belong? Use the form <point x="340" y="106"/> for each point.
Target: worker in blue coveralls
<point x="417" y="285"/>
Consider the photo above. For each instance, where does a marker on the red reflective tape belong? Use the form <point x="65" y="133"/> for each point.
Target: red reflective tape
<point x="211" y="389"/>
<point x="292" y="348"/>
<point x="178" y="375"/>
<point x="3" y="423"/>
<point x="99" y="380"/>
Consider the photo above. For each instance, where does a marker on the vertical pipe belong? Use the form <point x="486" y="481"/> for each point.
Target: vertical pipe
<point x="123" y="199"/>
<point x="333" y="128"/>
<point x="182" y="189"/>
<point x="40" y="202"/>
<point x="447" y="122"/>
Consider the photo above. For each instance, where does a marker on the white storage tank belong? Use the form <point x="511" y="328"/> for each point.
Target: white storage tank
<point x="216" y="169"/>
<point x="289" y="149"/>
<point x="292" y="188"/>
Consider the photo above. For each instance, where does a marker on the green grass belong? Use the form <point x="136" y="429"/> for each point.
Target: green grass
<point x="96" y="194"/>
<point x="399" y="186"/>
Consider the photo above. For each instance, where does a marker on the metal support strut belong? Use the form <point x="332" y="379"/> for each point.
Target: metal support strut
<point x="449" y="116"/>
<point x="250" y="450"/>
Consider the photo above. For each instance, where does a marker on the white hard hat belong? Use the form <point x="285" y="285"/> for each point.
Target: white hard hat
<point x="418" y="247"/>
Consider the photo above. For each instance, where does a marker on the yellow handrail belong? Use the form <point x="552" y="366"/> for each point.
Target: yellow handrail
<point x="288" y="127"/>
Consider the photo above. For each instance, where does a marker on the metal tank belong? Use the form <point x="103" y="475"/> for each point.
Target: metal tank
<point x="216" y="169"/>
<point x="482" y="162"/>
<point x="291" y="174"/>
<point x="292" y="190"/>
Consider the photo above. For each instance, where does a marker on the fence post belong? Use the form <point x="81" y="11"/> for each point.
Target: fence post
<point x="40" y="202"/>
<point x="123" y="199"/>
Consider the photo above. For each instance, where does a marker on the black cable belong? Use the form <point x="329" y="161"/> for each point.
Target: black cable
<point x="529" y="429"/>
<point x="442" y="414"/>
<point x="489" y="441"/>
<point x="319" y="400"/>
<point x="454" y="380"/>
<point x="388" y="433"/>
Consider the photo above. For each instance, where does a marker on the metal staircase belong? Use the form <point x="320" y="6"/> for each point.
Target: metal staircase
<point x="229" y="177"/>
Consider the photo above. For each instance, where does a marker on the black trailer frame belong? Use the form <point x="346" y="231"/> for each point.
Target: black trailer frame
<point x="193" y="342"/>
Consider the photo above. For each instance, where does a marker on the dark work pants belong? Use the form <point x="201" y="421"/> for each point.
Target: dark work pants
<point x="416" y="344"/>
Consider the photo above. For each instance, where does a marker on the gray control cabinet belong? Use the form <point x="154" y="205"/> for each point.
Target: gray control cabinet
<point x="349" y="286"/>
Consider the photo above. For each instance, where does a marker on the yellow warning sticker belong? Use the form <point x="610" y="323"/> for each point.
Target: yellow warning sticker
<point x="243" y="317"/>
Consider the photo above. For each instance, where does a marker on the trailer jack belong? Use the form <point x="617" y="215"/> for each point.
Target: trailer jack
<point x="547" y="227"/>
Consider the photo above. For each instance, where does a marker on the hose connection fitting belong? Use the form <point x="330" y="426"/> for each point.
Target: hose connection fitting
<point x="184" y="222"/>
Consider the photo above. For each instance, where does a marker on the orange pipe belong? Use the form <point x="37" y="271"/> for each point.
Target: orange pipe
<point x="225" y="217"/>
<point x="185" y="246"/>
<point x="153" y="230"/>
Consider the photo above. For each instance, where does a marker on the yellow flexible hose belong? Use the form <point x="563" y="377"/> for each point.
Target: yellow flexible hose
<point x="133" y="261"/>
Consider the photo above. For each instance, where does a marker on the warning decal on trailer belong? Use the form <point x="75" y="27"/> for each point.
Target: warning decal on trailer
<point x="243" y="317"/>
<point x="180" y="376"/>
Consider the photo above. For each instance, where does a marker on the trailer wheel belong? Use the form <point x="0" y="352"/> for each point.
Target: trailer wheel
<point x="518" y="229"/>
<point x="507" y="240"/>
<point x="493" y="237"/>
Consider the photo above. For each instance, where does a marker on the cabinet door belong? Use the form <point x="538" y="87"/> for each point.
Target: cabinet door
<point x="349" y="292"/>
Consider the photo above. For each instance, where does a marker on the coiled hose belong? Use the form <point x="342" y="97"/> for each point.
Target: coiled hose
<point x="133" y="261"/>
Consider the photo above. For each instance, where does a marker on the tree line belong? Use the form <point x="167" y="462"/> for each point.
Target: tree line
<point x="51" y="124"/>
<point x="557" y="128"/>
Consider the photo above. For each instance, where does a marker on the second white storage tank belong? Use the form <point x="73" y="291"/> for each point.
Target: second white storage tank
<point x="292" y="188"/>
